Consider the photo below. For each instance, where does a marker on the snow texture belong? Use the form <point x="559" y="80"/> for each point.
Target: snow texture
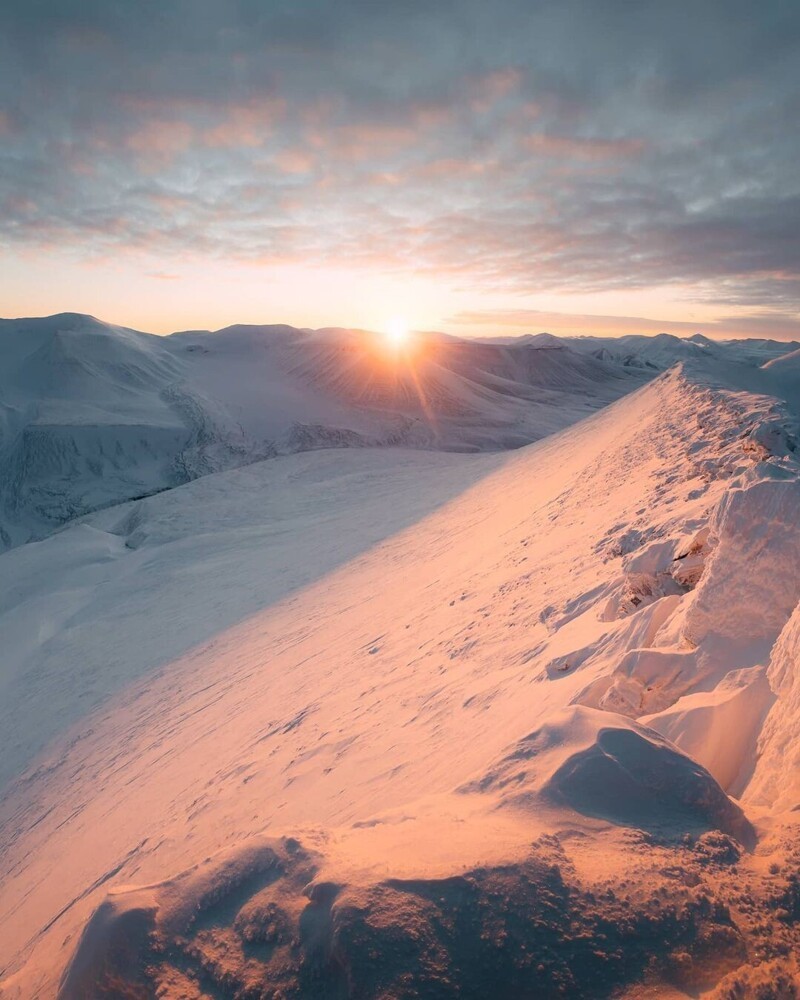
<point x="312" y="686"/>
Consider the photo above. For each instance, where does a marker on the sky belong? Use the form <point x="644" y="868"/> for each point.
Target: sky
<point x="580" y="166"/>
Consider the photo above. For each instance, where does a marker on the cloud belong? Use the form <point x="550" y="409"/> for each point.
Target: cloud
<point x="570" y="146"/>
<point x="567" y="148"/>
<point x="163" y="276"/>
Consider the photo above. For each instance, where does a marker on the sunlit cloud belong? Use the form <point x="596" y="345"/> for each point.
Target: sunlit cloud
<point x="521" y="150"/>
<point x="567" y="148"/>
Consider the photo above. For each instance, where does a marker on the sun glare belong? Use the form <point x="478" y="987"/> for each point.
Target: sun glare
<point x="397" y="331"/>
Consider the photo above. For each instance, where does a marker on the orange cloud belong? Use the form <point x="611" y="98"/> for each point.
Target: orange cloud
<point x="246" y="125"/>
<point x="167" y="127"/>
<point x="20" y="205"/>
<point x="431" y="115"/>
<point x="160" y="140"/>
<point x="362" y="141"/>
<point x="487" y="90"/>
<point x="453" y="167"/>
<point x="385" y="178"/>
<point x="574" y="147"/>
<point x="294" y="161"/>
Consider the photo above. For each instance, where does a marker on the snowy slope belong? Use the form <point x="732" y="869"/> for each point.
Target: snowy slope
<point x="191" y="562"/>
<point x="83" y="421"/>
<point x="91" y="414"/>
<point x="444" y="709"/>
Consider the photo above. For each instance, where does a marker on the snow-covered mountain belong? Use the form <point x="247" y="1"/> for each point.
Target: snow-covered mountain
<point x="659" y="352"/>
<point x="664" y="350"/>
<point x="401" y="722"/>
<point x="92" y="414"/>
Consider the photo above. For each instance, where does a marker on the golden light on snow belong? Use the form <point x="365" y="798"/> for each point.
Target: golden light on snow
<point x="396" y="331"/>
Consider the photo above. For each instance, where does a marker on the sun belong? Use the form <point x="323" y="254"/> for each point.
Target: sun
<point x="397" y="331"/>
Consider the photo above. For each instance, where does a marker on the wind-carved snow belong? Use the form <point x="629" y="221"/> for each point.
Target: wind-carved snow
<point x="776" y="781"/>
<point x="399" y="723"/>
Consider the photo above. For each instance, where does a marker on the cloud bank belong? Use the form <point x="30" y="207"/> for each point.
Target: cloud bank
<point x="572" y="147"/>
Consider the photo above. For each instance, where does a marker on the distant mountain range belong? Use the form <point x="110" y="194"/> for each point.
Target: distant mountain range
<point x="92" y="414"/>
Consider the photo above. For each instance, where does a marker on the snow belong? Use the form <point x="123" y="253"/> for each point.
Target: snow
<point x="719" y="728"/>
<point x="603" y="765"/>
<point x="754" y="542"/>
<point x="662" y="351"/>
<point x="92" y="414"/>
<point x="478" y="714"/>
<point x="776" y="781"/>
<point x="190" y="562"/>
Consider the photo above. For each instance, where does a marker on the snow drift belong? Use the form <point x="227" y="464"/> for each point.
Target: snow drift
<point x="604" y="765"/>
